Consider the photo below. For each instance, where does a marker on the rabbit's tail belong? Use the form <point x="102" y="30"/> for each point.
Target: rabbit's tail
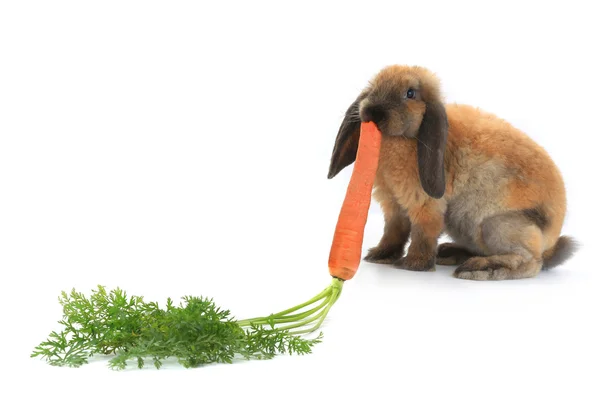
<point x="564" y="248"/>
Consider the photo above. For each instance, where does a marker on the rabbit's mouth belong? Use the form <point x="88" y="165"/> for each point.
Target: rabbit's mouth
<point x="376" y="113"/>
<point x="388" y="120"/>
<point x="388" y="117"/>
<point x="373" y="113"/>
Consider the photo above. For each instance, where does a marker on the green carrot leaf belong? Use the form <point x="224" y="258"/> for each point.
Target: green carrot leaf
<point x="196" y="332"/>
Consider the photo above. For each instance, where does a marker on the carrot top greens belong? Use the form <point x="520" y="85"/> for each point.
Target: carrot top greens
<point x="195" y="332"/>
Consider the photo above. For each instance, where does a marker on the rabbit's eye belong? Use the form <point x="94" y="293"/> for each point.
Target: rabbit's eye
<point x="410" y="93"/>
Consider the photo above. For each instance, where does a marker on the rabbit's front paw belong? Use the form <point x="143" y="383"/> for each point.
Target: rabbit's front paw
<point x="419" y="263"/>
<point x="383" y="254"/>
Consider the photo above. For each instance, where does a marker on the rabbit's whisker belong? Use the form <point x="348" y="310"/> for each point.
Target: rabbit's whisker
<point x="421" y="141"/>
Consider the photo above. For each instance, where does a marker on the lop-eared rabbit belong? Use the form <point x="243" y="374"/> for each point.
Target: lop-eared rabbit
<point x="456" y="169"/>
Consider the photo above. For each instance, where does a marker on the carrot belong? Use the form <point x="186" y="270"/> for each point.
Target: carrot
<point x="259" y="337"/>
<point x="346" y="248"/>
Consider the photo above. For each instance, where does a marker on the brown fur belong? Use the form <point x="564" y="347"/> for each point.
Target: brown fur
<point x="564" y="248"/>
<point x="503" y="198"/>
<point x="450" y="254"/>
<point x="537" y="216"/>
<point x="421" y="252"/>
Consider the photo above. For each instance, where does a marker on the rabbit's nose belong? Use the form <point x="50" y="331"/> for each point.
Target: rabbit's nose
<point x="372" y="113"/>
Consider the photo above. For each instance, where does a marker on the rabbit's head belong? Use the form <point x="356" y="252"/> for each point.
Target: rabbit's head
<point x="404" y="102"/>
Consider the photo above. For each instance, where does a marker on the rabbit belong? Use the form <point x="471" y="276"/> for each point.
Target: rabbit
<point x="455" y="169"/>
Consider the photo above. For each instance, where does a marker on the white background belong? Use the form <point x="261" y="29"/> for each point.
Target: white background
<point x="181" y="148"/>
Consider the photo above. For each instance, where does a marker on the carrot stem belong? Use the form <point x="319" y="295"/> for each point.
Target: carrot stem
<point x="321" y="317"/>
<point x="308" y="320"/>
<point x="320" y="296"/>
<point x="296" y="319"/>
<point x="304" y="314"/>
<point x="284" y="313"/>
<point x="288" y="318"/>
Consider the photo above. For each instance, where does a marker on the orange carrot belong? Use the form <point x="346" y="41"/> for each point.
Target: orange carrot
<point x="346" y="248"/>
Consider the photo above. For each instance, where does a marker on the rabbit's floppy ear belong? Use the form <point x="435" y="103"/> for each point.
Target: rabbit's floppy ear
<point x="346" y="142"/>
<point x="431" y="146"/>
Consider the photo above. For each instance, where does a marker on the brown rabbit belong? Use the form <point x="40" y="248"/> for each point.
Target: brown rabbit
<point x="455" y="169"/>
